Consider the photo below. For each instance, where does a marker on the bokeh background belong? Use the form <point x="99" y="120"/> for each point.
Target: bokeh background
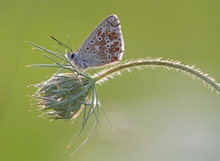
<point x="156" y="114"/>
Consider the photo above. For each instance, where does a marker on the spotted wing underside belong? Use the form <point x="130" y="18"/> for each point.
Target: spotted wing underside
<point x="104" y="45"/>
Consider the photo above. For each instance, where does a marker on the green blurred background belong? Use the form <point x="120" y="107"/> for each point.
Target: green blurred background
<point x="157" y="115"/>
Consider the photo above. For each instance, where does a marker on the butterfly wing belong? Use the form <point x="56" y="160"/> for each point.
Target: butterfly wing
<point x="103" y="46"/>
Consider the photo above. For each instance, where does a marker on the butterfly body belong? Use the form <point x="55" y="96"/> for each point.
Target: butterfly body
<point x="103" y="46"/>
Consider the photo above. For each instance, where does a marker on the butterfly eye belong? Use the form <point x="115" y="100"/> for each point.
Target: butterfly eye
<point x="87" y="48"/>
<point x="71" y="55"/>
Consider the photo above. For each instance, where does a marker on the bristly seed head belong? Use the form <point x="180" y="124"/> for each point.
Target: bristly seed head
<point x="63" y="96"/>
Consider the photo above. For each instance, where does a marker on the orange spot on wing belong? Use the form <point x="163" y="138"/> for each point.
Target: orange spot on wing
<point x="114" y="58"/>
<point x="99" y="33"/>
<point x="116" y="42"/>
<point x="115" y="36"/>
<point x="113" y="33"/>
<point x="117" y="49"/>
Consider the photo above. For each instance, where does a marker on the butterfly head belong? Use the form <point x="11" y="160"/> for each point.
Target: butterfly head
<point x="74" y="58"/>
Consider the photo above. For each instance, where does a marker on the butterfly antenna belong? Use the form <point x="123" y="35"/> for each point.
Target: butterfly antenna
<point x="62" y="44"/>
<point x="70" y="42"/>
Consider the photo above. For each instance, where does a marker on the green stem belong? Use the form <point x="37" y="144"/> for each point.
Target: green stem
<point x="155" y="63"/>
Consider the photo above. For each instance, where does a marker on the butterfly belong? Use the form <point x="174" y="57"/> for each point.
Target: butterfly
<point x="103" y="46"/>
